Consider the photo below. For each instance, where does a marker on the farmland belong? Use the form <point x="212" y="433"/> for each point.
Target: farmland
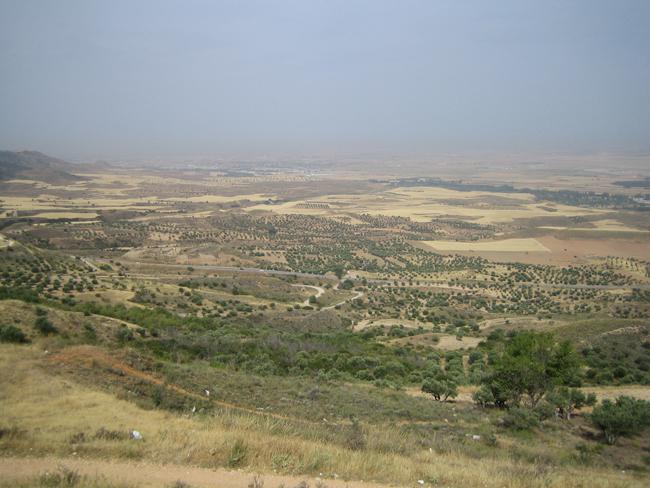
<point x="505" y="245"/>
<point x="322" y="311"/>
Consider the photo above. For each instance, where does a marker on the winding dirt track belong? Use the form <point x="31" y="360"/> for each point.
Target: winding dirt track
<point x="319" y="292"/>
<point x="155" y="475"/>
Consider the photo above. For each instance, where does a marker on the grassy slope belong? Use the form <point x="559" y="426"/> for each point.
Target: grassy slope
<point x="46" y="413"/>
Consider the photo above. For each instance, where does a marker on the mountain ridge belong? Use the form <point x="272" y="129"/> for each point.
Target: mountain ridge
<point x="35" y="165"/>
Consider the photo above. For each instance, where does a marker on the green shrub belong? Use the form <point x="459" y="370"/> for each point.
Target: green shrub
<point x="483" y="396"/>
<point x="18" y="293"/>
<point x="44" y="326"/>
<point x="566" y="400"/>
<point x="9" y="333"/>
<point x="585" y="453"/>
<point x="346" y="285"/>
<point x="520" y="418"/>
<point x="626" y="416"/>
<point x="545" y="410"/>
<point x="89" y="332"/>
<point x="124" y="334"/>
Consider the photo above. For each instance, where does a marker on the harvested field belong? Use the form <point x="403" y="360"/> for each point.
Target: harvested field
<point x="566" y="249"/>
<point x="66" y="215"/>
<point x="224" y="198"/>
<point x="556" y="250"/>
<point x="505" y="245"/>
<point x="424" y="204"/>
<point x="605" y="225"/>
<point x="444" y="342"/>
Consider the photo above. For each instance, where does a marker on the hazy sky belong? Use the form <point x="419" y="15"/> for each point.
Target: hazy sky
<point x="149" y="79"/>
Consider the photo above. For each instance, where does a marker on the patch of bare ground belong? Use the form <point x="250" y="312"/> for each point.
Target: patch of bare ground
<point x="16" y="469"/>
<point x="439" y="341"/>
<point x="611" y="392"/>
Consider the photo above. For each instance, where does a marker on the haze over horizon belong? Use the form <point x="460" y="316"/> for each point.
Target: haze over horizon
<point x="155" y="80"/>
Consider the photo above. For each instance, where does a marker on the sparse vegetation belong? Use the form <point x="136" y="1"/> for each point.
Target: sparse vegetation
<point x="248" y="333"/>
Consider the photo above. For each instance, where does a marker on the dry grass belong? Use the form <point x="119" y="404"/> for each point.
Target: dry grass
<point x="51" y="203"/>
<point x="51" y="410"/>
<point x="406" y="323"/>
<point x="504" y="245"/>
<point x="605" y="225"/>
<point x="138" y="191"/>
<point x="66" y="215"/>
<point x="611" y="392"/>
<point x="452" y="343"/>
<point x="445" y="342"/>
<point x="423" y="204"/>
<point x="224" y="198"/>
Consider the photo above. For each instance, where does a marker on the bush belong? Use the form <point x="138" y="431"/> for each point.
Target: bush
<point x="626" y="416"/>
<point x="545" y="410"/>
<point x="44" y="326"/>
<point x="346" y="285"/>
<point x="18" y="293"/>
<point x="89" y="332"/>
<point x="566" y="400"/>
<point x="519" y="418"/>
<point x="9" y="333"/>
<point x="124" y="334"/>
<point x="585" y="453"/>
<point x="483" y="396"/>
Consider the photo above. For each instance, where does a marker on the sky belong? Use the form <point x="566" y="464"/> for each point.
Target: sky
<point x="163" y="79"/>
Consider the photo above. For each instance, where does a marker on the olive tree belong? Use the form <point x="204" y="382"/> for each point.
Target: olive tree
<point x="567" y="400"/>
<point x="531" y="365"/>
<point x="626" y="416"/>
<point x="440" y="384"/>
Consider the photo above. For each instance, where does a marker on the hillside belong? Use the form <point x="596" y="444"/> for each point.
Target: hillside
<point x="34" y="165"/>
<point x="271" y="325"/>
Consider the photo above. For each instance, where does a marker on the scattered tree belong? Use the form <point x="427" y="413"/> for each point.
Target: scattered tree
<point x="626" y="416"/>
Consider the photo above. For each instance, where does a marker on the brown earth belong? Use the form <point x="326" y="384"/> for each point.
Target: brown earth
<point x="14" y="469"/>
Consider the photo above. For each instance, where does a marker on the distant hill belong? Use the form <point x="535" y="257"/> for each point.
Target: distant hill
<point x="33" y="165"/>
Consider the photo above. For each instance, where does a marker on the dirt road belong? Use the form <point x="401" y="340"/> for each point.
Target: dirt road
<point x="155" y="475"/>
<point x="357" y="294"/>
<point x="319" y="292"/>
